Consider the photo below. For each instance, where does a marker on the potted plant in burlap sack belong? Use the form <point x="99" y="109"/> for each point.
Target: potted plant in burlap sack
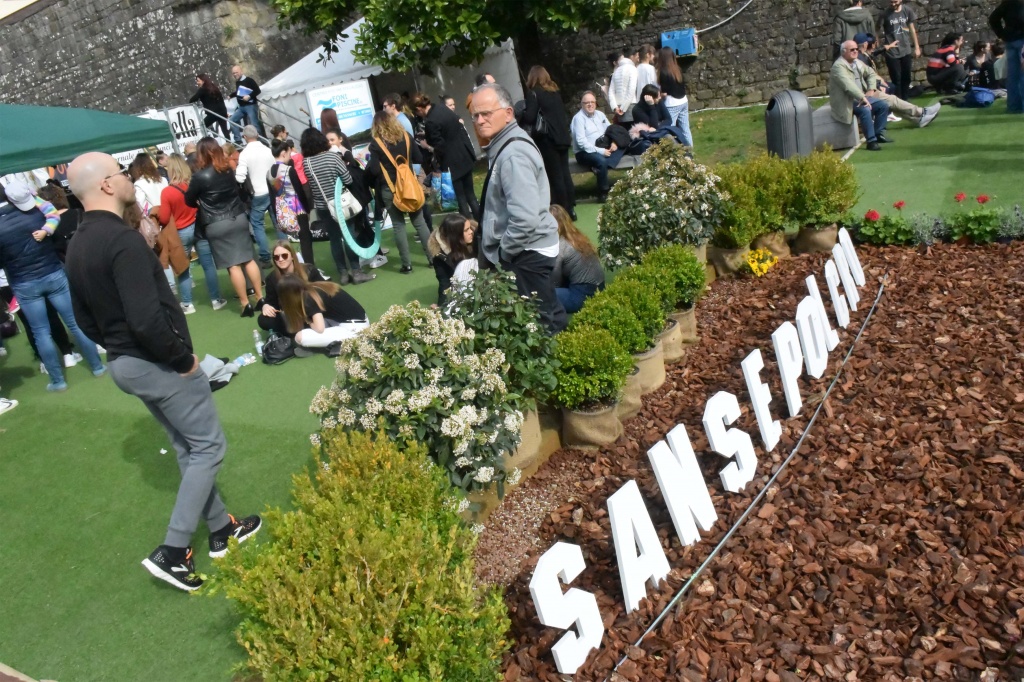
<point x="678" y="265"/>
<point x="667" y="199"/>
<point x="664" y="287"/>
<point x="772" y="179"/>
<point x="824" y="190"/>
<point x="491" y="306"/>
<point x="741" y="222"/>
<point x="591" y="373"/>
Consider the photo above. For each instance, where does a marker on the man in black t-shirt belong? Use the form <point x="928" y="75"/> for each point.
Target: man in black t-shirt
<point x="246" y="94"/>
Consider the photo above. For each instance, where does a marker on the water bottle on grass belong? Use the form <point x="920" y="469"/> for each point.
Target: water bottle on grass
<point x="258" y="341"/>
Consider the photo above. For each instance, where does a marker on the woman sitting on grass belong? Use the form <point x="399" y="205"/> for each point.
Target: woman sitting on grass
<point x="452" y="253"/>
<point x="319" y="314"/>
<point x="578" y="274"/>
<point x="285" y="263"/>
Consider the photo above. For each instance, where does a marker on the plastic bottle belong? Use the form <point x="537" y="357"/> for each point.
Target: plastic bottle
<point x="258" y="340"/>
<point x="243" y="360"/>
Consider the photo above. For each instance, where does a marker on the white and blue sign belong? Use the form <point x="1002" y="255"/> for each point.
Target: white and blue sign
<point x="351" y="101"/>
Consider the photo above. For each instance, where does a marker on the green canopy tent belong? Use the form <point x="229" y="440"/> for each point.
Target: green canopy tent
<point x="35" y="137"/>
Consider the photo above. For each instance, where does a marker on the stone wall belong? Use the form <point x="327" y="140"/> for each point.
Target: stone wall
<point x="130" y="55"/>
<point x="770" y="46"/>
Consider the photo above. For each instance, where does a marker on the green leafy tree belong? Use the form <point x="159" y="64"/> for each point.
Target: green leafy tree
<point x="402" y="35"/>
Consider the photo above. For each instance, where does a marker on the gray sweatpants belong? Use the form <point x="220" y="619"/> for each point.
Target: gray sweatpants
<point x="184" y="407"/>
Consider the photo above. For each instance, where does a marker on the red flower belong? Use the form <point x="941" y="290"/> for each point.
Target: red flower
<point x="960" y="197"/>
<point x="982" y="198"/>
<point x="899" y="205"/>
<point x="872" y="215"/>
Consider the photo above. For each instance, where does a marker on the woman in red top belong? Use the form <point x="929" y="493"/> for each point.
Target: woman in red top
<point x="172" y="204"/>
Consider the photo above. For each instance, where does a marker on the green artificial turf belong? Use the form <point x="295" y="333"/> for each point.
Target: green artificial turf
<point x="975" y="151"/>
<point x="86" y="493"/>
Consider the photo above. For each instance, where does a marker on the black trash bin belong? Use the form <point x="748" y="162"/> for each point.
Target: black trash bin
<point x="789" y="125"/>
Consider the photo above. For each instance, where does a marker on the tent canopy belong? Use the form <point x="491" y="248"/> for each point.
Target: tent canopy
<point x="307" y="74"/>
<point x="34" y="137"/>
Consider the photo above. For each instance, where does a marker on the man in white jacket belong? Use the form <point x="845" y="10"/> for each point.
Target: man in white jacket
<point x="622" y="89"/>
<point x="254" y="162"/>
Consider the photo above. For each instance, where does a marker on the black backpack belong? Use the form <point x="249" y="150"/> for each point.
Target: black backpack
<point x="278" y="349"/>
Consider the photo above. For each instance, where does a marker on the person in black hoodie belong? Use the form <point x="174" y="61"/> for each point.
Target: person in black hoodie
<point x="651" y="108"/>
<point x="122" y="299"/>
<point x="452" y="149"/>
<point x="543" y="101"/>
<point x="212" y="100"/>
<point x="390" y="145"/>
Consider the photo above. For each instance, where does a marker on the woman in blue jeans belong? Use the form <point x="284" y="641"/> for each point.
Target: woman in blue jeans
<point x="578" y="273"/>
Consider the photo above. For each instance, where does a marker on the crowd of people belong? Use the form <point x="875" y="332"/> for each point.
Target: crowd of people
<point x="858" y="92"/>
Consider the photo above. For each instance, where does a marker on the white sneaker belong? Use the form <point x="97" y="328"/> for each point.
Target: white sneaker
<point x="188" y="308"/>
<point x="218" y="304"/>
<point x="3" y="352"/>
<point x="893" y="118"/>
<point x="100" y="349"/>
<point x="377" y="261"/>
<point x="323" y="274"/>
<point x="42" y="369"/>
<point x="6" y="405"/>
<point x="72" y="359"/>
<point x="929" y="114"/>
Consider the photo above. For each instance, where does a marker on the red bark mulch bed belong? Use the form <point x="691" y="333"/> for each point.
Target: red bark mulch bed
<point x="890" y="548"/>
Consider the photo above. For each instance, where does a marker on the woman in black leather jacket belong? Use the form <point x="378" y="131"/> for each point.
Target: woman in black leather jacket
<point x="223" y="220"/>
<point x="542" y="99"/>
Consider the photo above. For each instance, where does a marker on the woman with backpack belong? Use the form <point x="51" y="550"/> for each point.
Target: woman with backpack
<point x="392" y="154"/>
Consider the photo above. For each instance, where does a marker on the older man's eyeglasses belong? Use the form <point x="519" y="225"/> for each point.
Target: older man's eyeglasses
<point x="480" y="115"/>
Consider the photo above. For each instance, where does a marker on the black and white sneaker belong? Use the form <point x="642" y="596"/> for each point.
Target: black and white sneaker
<point x="180" y="573"/>
<point x="240" y="530"/>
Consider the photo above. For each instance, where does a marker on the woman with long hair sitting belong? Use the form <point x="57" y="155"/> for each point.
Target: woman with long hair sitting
<point x="225" y="223"/>
<point x="452" y="253"/>
<point x="389" y="144"/>
<point x="319" y="314"/>
<point x="285" y="263"/>
<point x="578" y="273"/>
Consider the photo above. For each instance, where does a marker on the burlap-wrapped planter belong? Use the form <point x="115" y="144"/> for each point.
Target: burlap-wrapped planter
<point x="672" y="342"/>
<point x="812" y="240"/>
<point x="687" y="320"/>
<point x="774" y="242"/>
<point x="483" y="503"/>
<point x="529" y="444"/>
<point x="709" y="274"/>
<point x="630" y="403"/>
<point x="596" y="428"/>
<point x="701" y="252"/>
<point x="727" y="262"/>
<point x="652" y="368"/>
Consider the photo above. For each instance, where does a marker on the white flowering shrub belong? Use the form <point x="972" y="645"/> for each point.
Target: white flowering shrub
<point x="414" y="375"/>
<point x="667" y="199"/>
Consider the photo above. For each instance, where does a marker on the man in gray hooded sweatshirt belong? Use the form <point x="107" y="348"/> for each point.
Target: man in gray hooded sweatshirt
<point x="848" y="23"/>
<point x="517" y="231"/>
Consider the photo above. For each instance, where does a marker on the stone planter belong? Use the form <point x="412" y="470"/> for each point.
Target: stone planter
<point x="813" y="240"/>
<point x="672" y="342"/>
<point x="701" y="252"/>
<point x="528" y="451"/>
<point x="727" y="262"/>
<point x="687" y="320"/>
<point x="595" y="428"/>
<point x="774" y="242"/>
<point x="630" y="403"/>
<point x="652" y="368"/>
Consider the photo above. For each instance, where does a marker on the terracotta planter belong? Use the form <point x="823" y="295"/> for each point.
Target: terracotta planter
<point x="812" y="240"/>
<point x="774" y="242"/>
<point x="701" y="252"/>
<point x="727" y="262"/>
<point x="652" y="368"/>
<point x="687" y="320"/>
<point x="672" y="342"/>
<point x="529" y="444"/>
<point x="630" y="403"/>
<point x="596" y="428"/>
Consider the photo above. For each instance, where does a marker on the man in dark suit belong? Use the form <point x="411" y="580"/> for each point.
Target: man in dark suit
<point x="452" y="149"/>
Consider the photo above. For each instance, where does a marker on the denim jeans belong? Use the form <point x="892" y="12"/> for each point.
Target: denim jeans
<point x="573" y="296"/>
<point x="873" y="120"/>
<point x="679" y="116"/>
<point x="1014" y="78"/>
<point x="600" y="163"/>
<point x="33" y="296"/>
<point x="188" y="240"/>
<point x="260" y="205"/>
<point x="250" y="112"/>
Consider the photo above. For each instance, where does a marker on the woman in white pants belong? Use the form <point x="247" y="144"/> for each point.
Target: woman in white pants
<point x="319" y="314"/>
